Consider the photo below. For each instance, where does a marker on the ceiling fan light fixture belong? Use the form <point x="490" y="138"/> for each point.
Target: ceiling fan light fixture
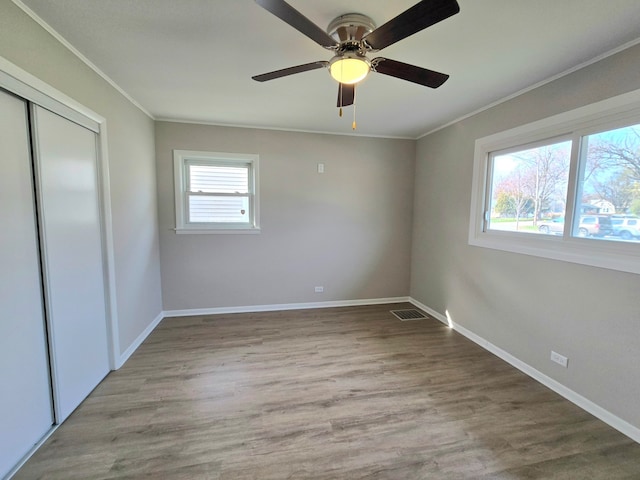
<point x="349" y="69"/>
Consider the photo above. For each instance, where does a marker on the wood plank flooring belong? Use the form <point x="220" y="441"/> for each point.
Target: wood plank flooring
<point x="340" y="393"/>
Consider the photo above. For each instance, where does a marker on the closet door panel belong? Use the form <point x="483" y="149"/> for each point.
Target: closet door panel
<point x="66" y="164"/>
<point x="25" y="398"/>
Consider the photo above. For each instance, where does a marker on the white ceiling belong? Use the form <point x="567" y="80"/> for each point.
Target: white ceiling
<point x="192" y="60"/>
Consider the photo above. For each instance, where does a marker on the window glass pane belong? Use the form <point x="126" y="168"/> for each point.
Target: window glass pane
<point x="529" y="189"/>
<point x="218" y="179"/>
<point x="610" y="185"/>
<point x="207" y="209"/>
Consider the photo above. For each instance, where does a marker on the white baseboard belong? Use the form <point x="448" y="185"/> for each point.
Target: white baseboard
<point x="430" y="311"/>
<point x="138" y="341"/>
<point x="285" y="306"/>
<point x="597" y="411"/>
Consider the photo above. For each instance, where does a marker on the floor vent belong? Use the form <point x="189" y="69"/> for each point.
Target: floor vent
<point x="411" y="314"/>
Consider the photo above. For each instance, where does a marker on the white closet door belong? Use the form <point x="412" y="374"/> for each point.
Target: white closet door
<point x="25" y="398"/>
<point x="67" y="180"/>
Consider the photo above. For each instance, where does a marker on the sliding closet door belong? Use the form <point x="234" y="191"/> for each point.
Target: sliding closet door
<point x="67" y="183"/>
<point x="25" y="401"/>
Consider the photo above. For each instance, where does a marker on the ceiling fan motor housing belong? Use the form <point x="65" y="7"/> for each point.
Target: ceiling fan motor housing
<point x="350" y="64"/>
<point x="349" y="29"/>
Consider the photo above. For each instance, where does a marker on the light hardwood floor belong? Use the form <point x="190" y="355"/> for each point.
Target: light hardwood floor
<point x="340" y="393"/>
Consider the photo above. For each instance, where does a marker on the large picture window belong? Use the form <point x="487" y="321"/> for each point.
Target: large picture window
<point x="216" y="192"/>
<point x="567" y="187"/>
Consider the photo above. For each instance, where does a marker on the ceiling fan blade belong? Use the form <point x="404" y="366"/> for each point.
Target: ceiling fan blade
<point x="290" y="71"/>
<point x="418" y="17"/>
<point x="407" y="72"/>
<point x="290" y="15"/>
<point x="346" y="94"/>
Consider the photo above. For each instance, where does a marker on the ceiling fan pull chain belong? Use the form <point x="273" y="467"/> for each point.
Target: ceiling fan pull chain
<point x="353" y="125"/>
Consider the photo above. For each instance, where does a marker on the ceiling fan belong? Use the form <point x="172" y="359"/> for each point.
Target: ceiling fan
<point x="353" y="35"/>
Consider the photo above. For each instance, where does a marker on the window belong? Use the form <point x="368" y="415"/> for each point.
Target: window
<point x="609" y="182"/>
<point x="567" y="187"/>
<point x="527" y="185"/>
<point x="216" y="192"/>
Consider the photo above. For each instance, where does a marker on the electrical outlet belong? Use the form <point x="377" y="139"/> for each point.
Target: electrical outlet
<point x="319" y="289"/>
<point x="321" y="168"/>
<point x="559" y="359"/>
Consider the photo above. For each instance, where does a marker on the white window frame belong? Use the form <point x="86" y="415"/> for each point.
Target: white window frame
<point x="615" y="112"/>
<point x="180" y="160"/>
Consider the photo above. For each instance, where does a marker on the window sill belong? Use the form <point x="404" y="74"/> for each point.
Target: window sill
<point x="603" y="254"/>
<point x="222" y="231"/>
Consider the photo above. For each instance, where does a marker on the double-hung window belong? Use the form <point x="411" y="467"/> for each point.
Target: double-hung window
<point x="216" y="192"/>
<point x="567" y="187"/>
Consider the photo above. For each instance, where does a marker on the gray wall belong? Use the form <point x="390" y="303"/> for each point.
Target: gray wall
<point x="526" y="305"/>
<point x="348" y="229"/>
<point x="131" y="163"/>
